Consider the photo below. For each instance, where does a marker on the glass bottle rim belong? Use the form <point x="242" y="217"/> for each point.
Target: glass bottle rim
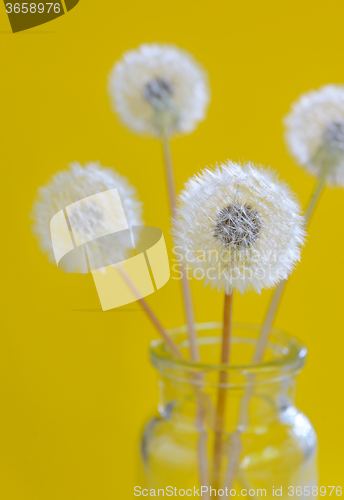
<point x="292" y="358"/>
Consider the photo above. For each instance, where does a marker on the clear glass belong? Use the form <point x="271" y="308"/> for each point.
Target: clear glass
<point x="265" y="441"/>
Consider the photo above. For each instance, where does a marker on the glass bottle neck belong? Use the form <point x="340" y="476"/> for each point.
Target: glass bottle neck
<point x="251" y="405"/>
<point x="243" y="394"/>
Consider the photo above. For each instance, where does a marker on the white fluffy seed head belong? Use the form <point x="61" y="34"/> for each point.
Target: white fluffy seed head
<point x="315" y="132"/>
<point x="159" y="86"/>
<point x="238" y="227"/>
<point x="74" y="184"/>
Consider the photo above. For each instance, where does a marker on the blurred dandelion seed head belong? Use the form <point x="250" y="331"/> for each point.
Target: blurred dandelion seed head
<point x="333" y="136"/>
<point x="157" y="91"/>
<point x="87" y="219"/>
<point x="74" y="184"/>
<point x="159" y="87"/>
<point x="315" y="132"/>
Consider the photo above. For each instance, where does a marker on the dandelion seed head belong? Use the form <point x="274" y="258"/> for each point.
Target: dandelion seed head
<point x="240" y="225"/>
<point x="158" y="91"/>
<point x="159" y="86"/>
<point x="237" y="226"/>
<point x="315" y="132"/>
<point x="77" y="183"/>
<point x="333" y="136"/>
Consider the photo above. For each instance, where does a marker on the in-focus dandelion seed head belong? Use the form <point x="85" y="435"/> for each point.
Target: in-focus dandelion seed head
<point x="239" y="226"/>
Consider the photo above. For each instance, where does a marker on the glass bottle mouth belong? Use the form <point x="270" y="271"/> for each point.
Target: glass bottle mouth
<point x="284" y="355"/>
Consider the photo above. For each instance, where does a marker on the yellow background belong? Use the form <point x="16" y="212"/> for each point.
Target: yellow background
<point x="75" y="383"/>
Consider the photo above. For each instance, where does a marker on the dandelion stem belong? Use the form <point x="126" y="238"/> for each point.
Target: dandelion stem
<point x="187" y="298"/>
<point x="189" y="313"/>
<point x="227" y="328"/>
<point x="277" y="294"/>
<point x="222" y="390"/>
<point x="173" y="347"/>
<point x="264" y="336"/>
<point x="203" y="465"/>
<point x="316" y="197"/>
<point x="269" y="319"/>
<point x="169" y="173"/>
